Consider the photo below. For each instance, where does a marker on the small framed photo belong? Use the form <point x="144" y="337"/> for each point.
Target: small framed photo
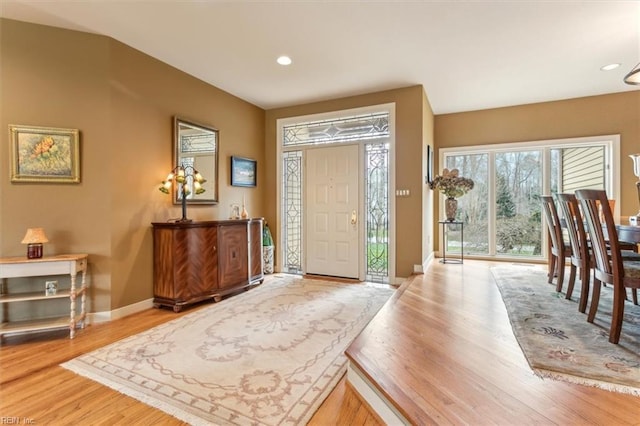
<point x="44" y="154"/>
<point x="50" y="288"/>
<point x="243" y="171"/>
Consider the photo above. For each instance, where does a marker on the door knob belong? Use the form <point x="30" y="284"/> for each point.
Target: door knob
<point x="354" y="217"/>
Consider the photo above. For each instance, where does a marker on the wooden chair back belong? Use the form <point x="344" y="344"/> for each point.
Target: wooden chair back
<point x="574" y="223"/>
<point x="602" y="234"/>
<point x="609" y="264"/>
<point x="554" y="226"/>
<point x="580" y="251"/>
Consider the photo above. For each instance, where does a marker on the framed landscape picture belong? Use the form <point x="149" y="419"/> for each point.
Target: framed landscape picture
<point x="243" y="171"/>
<point x="44" y="154"/>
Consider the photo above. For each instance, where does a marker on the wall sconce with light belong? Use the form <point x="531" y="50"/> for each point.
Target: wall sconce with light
<point x="187" y="180"/>
<point x="34" y="238"/>
<point x="635" y="220"/>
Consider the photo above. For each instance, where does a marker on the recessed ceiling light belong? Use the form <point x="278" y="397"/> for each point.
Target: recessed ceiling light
<point x="610" y="67"/>
<point x="284" y="60"/>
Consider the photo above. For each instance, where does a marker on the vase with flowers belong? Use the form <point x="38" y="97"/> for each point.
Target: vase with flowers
<point x="452" y="185"/>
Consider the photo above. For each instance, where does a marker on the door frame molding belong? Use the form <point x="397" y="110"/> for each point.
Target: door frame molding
<point x="282" y="122"/>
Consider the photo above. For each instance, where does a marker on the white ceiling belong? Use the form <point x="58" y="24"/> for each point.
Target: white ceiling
<point x="468" y="55"/>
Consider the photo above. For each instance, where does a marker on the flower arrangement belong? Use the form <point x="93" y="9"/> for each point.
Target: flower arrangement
<point x="450" y="184"/>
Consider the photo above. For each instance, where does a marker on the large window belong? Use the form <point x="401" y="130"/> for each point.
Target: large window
<point x="502" y="214"/>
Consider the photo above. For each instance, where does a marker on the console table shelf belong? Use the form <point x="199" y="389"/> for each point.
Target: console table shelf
<point x="34" y="325"/>
<point x="21" y="267"/>
<point x="24" y="297"/>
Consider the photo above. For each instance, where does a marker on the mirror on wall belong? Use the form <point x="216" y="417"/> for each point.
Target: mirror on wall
<point x="196" y="147"/>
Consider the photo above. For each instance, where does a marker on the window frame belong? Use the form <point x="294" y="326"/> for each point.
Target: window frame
<point x="611" y="145"/>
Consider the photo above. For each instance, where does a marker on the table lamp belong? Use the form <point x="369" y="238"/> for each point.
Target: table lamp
<point x="34" y="238"/>
<point x="635" y="220"/>
<point x="185" y="177"/>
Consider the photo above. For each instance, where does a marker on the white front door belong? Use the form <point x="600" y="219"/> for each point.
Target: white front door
<point x="332" y="185"/>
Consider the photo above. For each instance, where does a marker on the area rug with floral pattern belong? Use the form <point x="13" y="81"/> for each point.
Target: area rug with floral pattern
<point x="268" y="356"/>
<point x="556" y="338"/>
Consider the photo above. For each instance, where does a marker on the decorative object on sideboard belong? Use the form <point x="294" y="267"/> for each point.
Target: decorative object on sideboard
<point x="243" y="171"/>
<point x="187" y="181"/>
<point x="34" y="239"/>
<point x="235" y="211"/>
<point x="452" y="186"/>
<point x="634" y="76"/>
<point x="635" y="220"/>
<point x="244" y="214"/>
<point x="44" y="154"/>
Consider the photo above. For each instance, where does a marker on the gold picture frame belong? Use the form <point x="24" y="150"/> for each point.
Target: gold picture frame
<point x="44" y="154"/>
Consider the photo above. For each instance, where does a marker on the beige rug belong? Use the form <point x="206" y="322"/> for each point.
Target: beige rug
<point x="556" y="338"/>
<point x="269" y="356"/>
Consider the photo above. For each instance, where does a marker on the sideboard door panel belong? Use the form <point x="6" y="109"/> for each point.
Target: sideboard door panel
<point x="197" y="263"/>
<point x="255" y="250"/>
<point x="233" y="244"/>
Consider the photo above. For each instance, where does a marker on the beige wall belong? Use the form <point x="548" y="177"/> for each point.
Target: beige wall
<point x="122" y="101"/>
<point x="617" y="113"/>
<point x="412" y="109"/>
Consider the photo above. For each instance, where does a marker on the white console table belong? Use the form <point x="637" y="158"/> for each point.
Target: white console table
<point x="66" y="264"/>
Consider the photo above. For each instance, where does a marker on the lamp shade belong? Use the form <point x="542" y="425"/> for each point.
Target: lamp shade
<point x="634" y="76"/>
<point x="34" y="236"/>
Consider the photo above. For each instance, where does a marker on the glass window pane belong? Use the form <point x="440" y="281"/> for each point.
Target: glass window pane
<point x="357" y="128"/>
<point x="377" y="204"/>
<point x="292" y="208"/>
<point x="473" y="206"/>
<point x="518" y="189"/>
<point x="577" y="167"/>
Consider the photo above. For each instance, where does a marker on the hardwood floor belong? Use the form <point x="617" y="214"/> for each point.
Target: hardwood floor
<point x="442" y="348"/>
<point x="444" y="352"/>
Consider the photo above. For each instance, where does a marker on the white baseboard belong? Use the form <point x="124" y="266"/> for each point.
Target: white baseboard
<point x="383" y="408"/>
<point x="427" y="262"/>
<point x="420" y="269"/>
<point x="106" y="316"/>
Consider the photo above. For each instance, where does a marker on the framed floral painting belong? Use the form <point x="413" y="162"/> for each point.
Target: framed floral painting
<point x="44" y="154"/>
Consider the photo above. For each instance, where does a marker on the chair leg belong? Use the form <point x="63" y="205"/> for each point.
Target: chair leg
<point x="552" y="268"/>
<point x="585" y="276"/>
<point x="617" y="314"/>
<point x="595" y="299"/>
<point x="560" y="269"/>
<point x="634" y="294"/>
<point x="572" y="281"/>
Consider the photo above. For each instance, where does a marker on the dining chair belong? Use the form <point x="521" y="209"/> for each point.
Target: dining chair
<point x="580" y="250"/>
<point x="609" y="266"/>
<point x="560" y="250"/>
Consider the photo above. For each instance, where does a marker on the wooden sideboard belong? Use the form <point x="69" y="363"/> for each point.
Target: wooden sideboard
<point x="199" y="260"/>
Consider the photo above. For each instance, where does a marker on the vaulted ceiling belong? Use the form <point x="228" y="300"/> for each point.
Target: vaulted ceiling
<point x="468" y="55"/>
